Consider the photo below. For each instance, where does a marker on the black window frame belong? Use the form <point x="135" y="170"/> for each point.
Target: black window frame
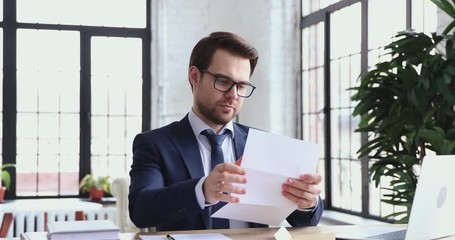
<point x="311" y="19"/>
<point x="10" y="27"/>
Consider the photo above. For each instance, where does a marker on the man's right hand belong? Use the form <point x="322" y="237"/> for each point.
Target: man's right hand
<point x="218" y="184"/>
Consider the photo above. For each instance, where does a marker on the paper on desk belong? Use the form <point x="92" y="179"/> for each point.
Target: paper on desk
<point x="195" y="236"/>
<point x="269" y="160"/>
<point x="283" y="234"/>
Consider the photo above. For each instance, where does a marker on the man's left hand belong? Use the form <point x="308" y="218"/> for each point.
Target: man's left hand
<point x="304" y="190"/>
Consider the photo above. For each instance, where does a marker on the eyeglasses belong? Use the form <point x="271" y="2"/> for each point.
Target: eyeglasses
<point x="225" y="84"/>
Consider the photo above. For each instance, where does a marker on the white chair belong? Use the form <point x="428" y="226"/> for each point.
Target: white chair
<point x="119" y="189"/>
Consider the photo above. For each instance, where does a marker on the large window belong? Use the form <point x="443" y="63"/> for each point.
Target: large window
<point x="47" y="112"/>
<point x="116" y="103"/>
<point x="340" y="39"/>
<point x="76" y="89"/>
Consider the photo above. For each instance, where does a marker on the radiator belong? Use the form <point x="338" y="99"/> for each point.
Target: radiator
<point x="34" y="221"/>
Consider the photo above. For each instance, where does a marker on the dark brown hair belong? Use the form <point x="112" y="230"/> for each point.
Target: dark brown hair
<point x="202" y="53"/>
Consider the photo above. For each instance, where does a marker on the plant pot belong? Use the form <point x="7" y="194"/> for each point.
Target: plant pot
<point x="96" y="194"/>
<point x="2" y="193"/>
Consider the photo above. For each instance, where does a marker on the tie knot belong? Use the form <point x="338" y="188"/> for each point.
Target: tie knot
<point x="215" y="139"/>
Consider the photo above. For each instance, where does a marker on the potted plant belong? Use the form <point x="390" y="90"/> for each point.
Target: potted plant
<point x="96" y="187"/>
<point x="407" y="108"/>
<point x="6" y="179"/>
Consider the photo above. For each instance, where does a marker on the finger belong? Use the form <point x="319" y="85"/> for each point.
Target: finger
<point x="222" y="193"/>
<point x="303" y="200"/>
<point x="296" y="191"/>
<point x="313" y="178"/>
<point x="229" y="188"/>
<point x="229" y="177"/>
<point x="307" y="185"/>
<point x="213" y="190"/>
<point x="301" y="189"/>
<point x="228" y="198"/>
<point x="230" y="167"/>
<point x="219" y="187"/>
<point x="299" y="185"/>
<point x="221" y="174"/>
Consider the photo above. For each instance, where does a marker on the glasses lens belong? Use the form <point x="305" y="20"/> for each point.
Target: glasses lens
<point x="244" y="90"/>
<point x="223" y="84"/>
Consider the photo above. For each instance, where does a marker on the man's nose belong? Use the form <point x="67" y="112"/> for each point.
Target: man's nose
<point x="233" y="92"/>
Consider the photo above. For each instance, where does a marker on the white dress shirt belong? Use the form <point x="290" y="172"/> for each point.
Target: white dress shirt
<point x="198" y="127"/>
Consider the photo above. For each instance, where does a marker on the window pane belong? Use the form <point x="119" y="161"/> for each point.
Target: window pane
<point x="381" y="28"/>
<point x="342" y="44"/>
<point x="111" y="13"/>
<point x="344" y="71"/>
<point x="313" y="90"/>
<point x="48" y="112"/>
<point x="309" y="6"/>
<point x="424" y="17"/>
<point x="345" y="68"/>
<point x="344" y="193"/>
<point x="116" y="103"/>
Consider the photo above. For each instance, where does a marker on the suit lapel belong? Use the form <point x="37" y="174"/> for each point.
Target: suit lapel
<point x="239" y="141"/>
<point x="187" y="145"/>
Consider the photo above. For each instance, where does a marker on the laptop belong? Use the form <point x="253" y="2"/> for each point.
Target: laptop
<point x="433" y="211"/>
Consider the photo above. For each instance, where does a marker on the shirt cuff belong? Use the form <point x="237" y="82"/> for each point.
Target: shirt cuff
<point x="200" y="194"/>
<point x="309" y="209"/>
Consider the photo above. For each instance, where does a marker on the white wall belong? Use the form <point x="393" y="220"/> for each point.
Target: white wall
<point x="271" y="26"/>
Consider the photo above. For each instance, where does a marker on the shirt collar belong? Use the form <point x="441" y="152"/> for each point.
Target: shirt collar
<point x="198" y="125"/>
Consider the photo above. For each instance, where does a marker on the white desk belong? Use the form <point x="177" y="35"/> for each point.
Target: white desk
<point x="252" y="233"/>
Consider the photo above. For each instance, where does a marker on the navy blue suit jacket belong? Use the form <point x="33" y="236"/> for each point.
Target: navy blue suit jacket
<point x="166" y="167"/>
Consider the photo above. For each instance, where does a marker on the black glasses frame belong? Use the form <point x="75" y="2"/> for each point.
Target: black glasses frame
<point x="234" y="83"/>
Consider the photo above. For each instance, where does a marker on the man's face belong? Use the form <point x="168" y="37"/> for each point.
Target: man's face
<point x="214" y="107"/>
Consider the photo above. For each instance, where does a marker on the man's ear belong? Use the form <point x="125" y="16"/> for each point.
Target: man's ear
<point x="193" y="75"/>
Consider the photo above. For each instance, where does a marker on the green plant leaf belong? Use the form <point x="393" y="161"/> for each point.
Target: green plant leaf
<point x="449" y="9"/>
<point x="6" y="179"/>
<point x="6" y="176"/>
<point x="406" y="105"/>
<point x="89" y="181"/>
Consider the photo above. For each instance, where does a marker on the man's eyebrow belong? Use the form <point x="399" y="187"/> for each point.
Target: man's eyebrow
<point x="236" y="81"/>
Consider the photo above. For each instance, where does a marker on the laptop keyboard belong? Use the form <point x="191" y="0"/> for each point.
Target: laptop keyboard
<point x="395" y="235"/>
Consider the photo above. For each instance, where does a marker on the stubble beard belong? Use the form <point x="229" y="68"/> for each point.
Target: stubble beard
<point x="212" y="115"/>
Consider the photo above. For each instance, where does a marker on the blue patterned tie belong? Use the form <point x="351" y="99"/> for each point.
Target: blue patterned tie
<point x="217" y="157"/>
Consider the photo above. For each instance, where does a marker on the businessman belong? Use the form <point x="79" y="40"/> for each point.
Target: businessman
<point x="183" y="172"/>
